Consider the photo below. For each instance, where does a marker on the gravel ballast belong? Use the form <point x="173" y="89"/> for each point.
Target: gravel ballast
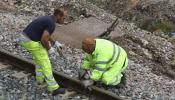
<point x="141" y="81"/>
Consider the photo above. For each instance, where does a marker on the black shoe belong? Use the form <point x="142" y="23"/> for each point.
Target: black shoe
<point x="123" y="80"/>
<point x="58" y="91"/>
<point x="122" y="83"/>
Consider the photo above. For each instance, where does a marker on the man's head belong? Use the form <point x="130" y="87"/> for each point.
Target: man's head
<point x="88" y="45"/>
<point x="59" y="15"/>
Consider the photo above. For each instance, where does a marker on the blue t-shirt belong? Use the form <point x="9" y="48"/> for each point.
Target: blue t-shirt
<point x="36" y="28"/>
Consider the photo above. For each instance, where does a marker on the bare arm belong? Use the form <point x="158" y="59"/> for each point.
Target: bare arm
<point x="45" y="40"/>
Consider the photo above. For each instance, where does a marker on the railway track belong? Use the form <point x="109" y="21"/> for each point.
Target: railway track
<point x="64" y="80"/>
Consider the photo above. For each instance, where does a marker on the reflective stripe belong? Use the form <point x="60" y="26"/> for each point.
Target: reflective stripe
<point x="114" y="51"/>
<point x="49" y="77"/>
<point x="119" y="50"/>
<point x="101" y="69"/>
<point x="37" y="66"/>
<point x="101" y="62"/>
<point x="124" y="63"/>
<point x="52" y="83"/>
<point x="39" y="73"/>
<point x="105" y="62"/>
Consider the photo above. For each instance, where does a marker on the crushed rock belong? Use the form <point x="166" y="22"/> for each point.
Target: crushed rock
<point x="150" y="54"/>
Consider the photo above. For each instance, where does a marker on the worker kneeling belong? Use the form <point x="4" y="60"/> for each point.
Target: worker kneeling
<point x="105" y="60"/>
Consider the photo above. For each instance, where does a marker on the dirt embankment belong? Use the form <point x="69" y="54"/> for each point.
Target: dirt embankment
<point x="151" y="15"/>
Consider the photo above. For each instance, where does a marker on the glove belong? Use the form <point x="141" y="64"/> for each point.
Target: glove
<point x="58" y="45"/>
<point x="87" y="83"/>
<point x="83" y="74"/>
<point x="51" y="51"/>
<point x="59" y="48"/>
<point x="87" y="75"/>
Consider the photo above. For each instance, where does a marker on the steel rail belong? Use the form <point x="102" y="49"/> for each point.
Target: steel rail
<point x="64" y="80"/>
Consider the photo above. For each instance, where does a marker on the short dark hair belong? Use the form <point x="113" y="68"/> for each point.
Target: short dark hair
<point x="59" y="11"/>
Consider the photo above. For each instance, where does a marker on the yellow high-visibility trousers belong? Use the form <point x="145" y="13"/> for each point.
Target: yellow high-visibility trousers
<point x="43" y="66"/>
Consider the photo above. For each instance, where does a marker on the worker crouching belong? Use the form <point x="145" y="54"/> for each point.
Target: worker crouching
<point x="105" y="60"/>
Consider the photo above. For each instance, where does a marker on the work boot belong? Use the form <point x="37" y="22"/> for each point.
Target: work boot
<point x="122" y="83"/>
<point x="123" y="80"/>
<point x="58" y="91"/>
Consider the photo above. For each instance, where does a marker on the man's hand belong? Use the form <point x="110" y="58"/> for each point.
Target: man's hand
<point x="58" y="45"/>
<point x="51" y="51"/>
<point x="45" y="40"/>
<point x="83" y="74"/>
<point x="87" y="83"/>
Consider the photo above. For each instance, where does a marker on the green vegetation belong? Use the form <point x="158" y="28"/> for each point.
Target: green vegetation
<point x="165" y="26"/>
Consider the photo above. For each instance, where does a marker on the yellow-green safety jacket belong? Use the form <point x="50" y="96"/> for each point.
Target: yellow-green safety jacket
<point x="105" y="57"/>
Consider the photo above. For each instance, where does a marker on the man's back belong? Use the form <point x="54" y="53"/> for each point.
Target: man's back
<point x="36" y="28"/>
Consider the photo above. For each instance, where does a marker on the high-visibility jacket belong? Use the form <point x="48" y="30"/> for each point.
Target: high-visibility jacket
<point x="106" y="63"/>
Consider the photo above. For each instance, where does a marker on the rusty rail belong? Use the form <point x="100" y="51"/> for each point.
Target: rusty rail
<point x="64" y="80"/>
